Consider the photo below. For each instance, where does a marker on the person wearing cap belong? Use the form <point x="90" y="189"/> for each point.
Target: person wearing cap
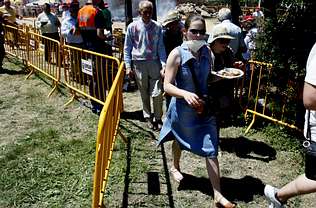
<point x="144" y="52"/>
<point x="237" y="44"/>
<point x="221" y="90"/>
<point x="251" y="29"/>
<point x="258" y="13"/>
<point x="172" y="31"/>
<point x="172" y="36"/>
<point x="65" y="11"/>
<point x="107" y="17"/>
<point x="190" y="129"/>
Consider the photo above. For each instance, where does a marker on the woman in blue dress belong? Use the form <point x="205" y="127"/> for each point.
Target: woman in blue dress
<point x="186" y="75"/>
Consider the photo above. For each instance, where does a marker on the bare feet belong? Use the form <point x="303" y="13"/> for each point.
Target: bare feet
<point x="223" y="203"/>
<point x="176" y="174"/>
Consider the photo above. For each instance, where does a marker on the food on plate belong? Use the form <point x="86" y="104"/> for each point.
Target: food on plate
<point x="229" y="73"/>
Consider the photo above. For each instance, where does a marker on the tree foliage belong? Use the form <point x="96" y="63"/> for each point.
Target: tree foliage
<point x="287" y="35"/>
<point x="285" y="38"/>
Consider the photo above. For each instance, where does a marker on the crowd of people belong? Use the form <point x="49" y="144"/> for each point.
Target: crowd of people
<point x="176" y="58"/>
<point x="89" y="27"/>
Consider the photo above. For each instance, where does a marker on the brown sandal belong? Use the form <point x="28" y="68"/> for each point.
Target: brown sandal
<point x="227" y="205"/>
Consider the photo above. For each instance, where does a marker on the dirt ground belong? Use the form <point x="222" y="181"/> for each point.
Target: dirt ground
<point x="247" y="163"/>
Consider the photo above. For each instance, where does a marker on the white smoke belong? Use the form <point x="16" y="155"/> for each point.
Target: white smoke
<point x="117" y="8"/>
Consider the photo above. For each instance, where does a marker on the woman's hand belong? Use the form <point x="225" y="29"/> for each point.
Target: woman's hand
<point x="193" y="100"/>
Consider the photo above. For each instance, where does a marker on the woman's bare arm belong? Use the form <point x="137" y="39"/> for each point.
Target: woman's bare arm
<point x="172" y="66"/>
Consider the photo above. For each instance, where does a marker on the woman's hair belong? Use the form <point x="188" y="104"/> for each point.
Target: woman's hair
<point x="192" y="18"/>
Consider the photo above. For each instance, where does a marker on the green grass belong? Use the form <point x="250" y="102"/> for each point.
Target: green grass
<point x="47" y="151"/>
<point x="45" y="170"/>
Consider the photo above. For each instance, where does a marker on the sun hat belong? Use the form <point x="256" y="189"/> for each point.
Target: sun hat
<point x="219" y="31"/>
<point x="171" y="17"/>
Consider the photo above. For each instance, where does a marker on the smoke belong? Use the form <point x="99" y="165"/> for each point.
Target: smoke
<point x="163" y="7"/>
<point x="117" y="8"/>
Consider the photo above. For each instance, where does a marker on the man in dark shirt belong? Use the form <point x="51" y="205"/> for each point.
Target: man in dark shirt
<point x="172" y="36"/>
<point x="91" y="24"/>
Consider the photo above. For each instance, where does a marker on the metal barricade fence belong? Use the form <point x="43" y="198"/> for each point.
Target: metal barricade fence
<point x="44" y="56"/>
<point x="15" y="41"/>
<point x="118" y="43"/>
<point x="96" y="76"/>
<point x="277" y="101"/>
<point x="88" y="73"/>
<point x="107" y="133"/>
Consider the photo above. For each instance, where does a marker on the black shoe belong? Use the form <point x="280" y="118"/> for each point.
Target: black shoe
<point x="150" y="123"/>
<point x="157" y="125"/>
<point x="96" y="111"/>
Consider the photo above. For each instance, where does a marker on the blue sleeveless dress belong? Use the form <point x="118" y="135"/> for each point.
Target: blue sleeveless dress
<point x="193" y="132"/>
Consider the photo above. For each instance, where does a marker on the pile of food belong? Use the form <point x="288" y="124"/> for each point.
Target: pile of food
<point x="229" y="72"/>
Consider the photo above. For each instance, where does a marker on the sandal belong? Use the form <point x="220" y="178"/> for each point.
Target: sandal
<point x="226" y="205"/>
<point x="176" y="174"/>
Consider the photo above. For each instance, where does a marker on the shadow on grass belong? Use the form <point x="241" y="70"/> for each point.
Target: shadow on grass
<point x="245" y="148"/>
<point x="153" y="182"/>
<point x="141" y="128"/>
<point x="133" y="115"/>
<point x="243" y="189"/>
<point x="13" y="72"/>
<point x="127" y="173"/>
<point x="166" y="171"/>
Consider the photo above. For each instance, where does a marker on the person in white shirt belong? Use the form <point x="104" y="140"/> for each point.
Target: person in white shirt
<point x="48" y="24"/>
<point x="306" y="183"/>
<point x="237" y="45"/>
<point x="258" y="12"/>
<point x="65" y="11"/>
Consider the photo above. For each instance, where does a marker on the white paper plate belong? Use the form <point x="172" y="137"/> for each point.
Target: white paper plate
<point x="229" y="73"/>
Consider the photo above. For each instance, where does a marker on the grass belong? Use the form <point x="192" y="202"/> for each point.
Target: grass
<point x="47" y="151"/>
<point x="47" y="156"/>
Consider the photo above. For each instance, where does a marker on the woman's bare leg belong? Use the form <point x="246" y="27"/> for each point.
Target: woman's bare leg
<point x="176" y="155"/>
<point x="214" y="176"/>
<point x="301" y="185"/>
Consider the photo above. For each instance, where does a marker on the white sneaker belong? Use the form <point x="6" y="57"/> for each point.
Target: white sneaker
<point x="269" y="192"/>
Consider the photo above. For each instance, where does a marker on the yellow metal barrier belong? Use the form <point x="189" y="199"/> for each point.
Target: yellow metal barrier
<point x="118" y="43"/>
<point x="44" y="55"/>
<point x="88" y="73"/>
<point x="85" y="72"/>
<point x="269" y="101"/>
<point x="15" y="41"/>
<point x="107" y="133"/>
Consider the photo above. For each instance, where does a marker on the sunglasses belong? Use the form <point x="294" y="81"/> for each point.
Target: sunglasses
<point x="223" y="41"/>
<point x="195" y="31"/>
